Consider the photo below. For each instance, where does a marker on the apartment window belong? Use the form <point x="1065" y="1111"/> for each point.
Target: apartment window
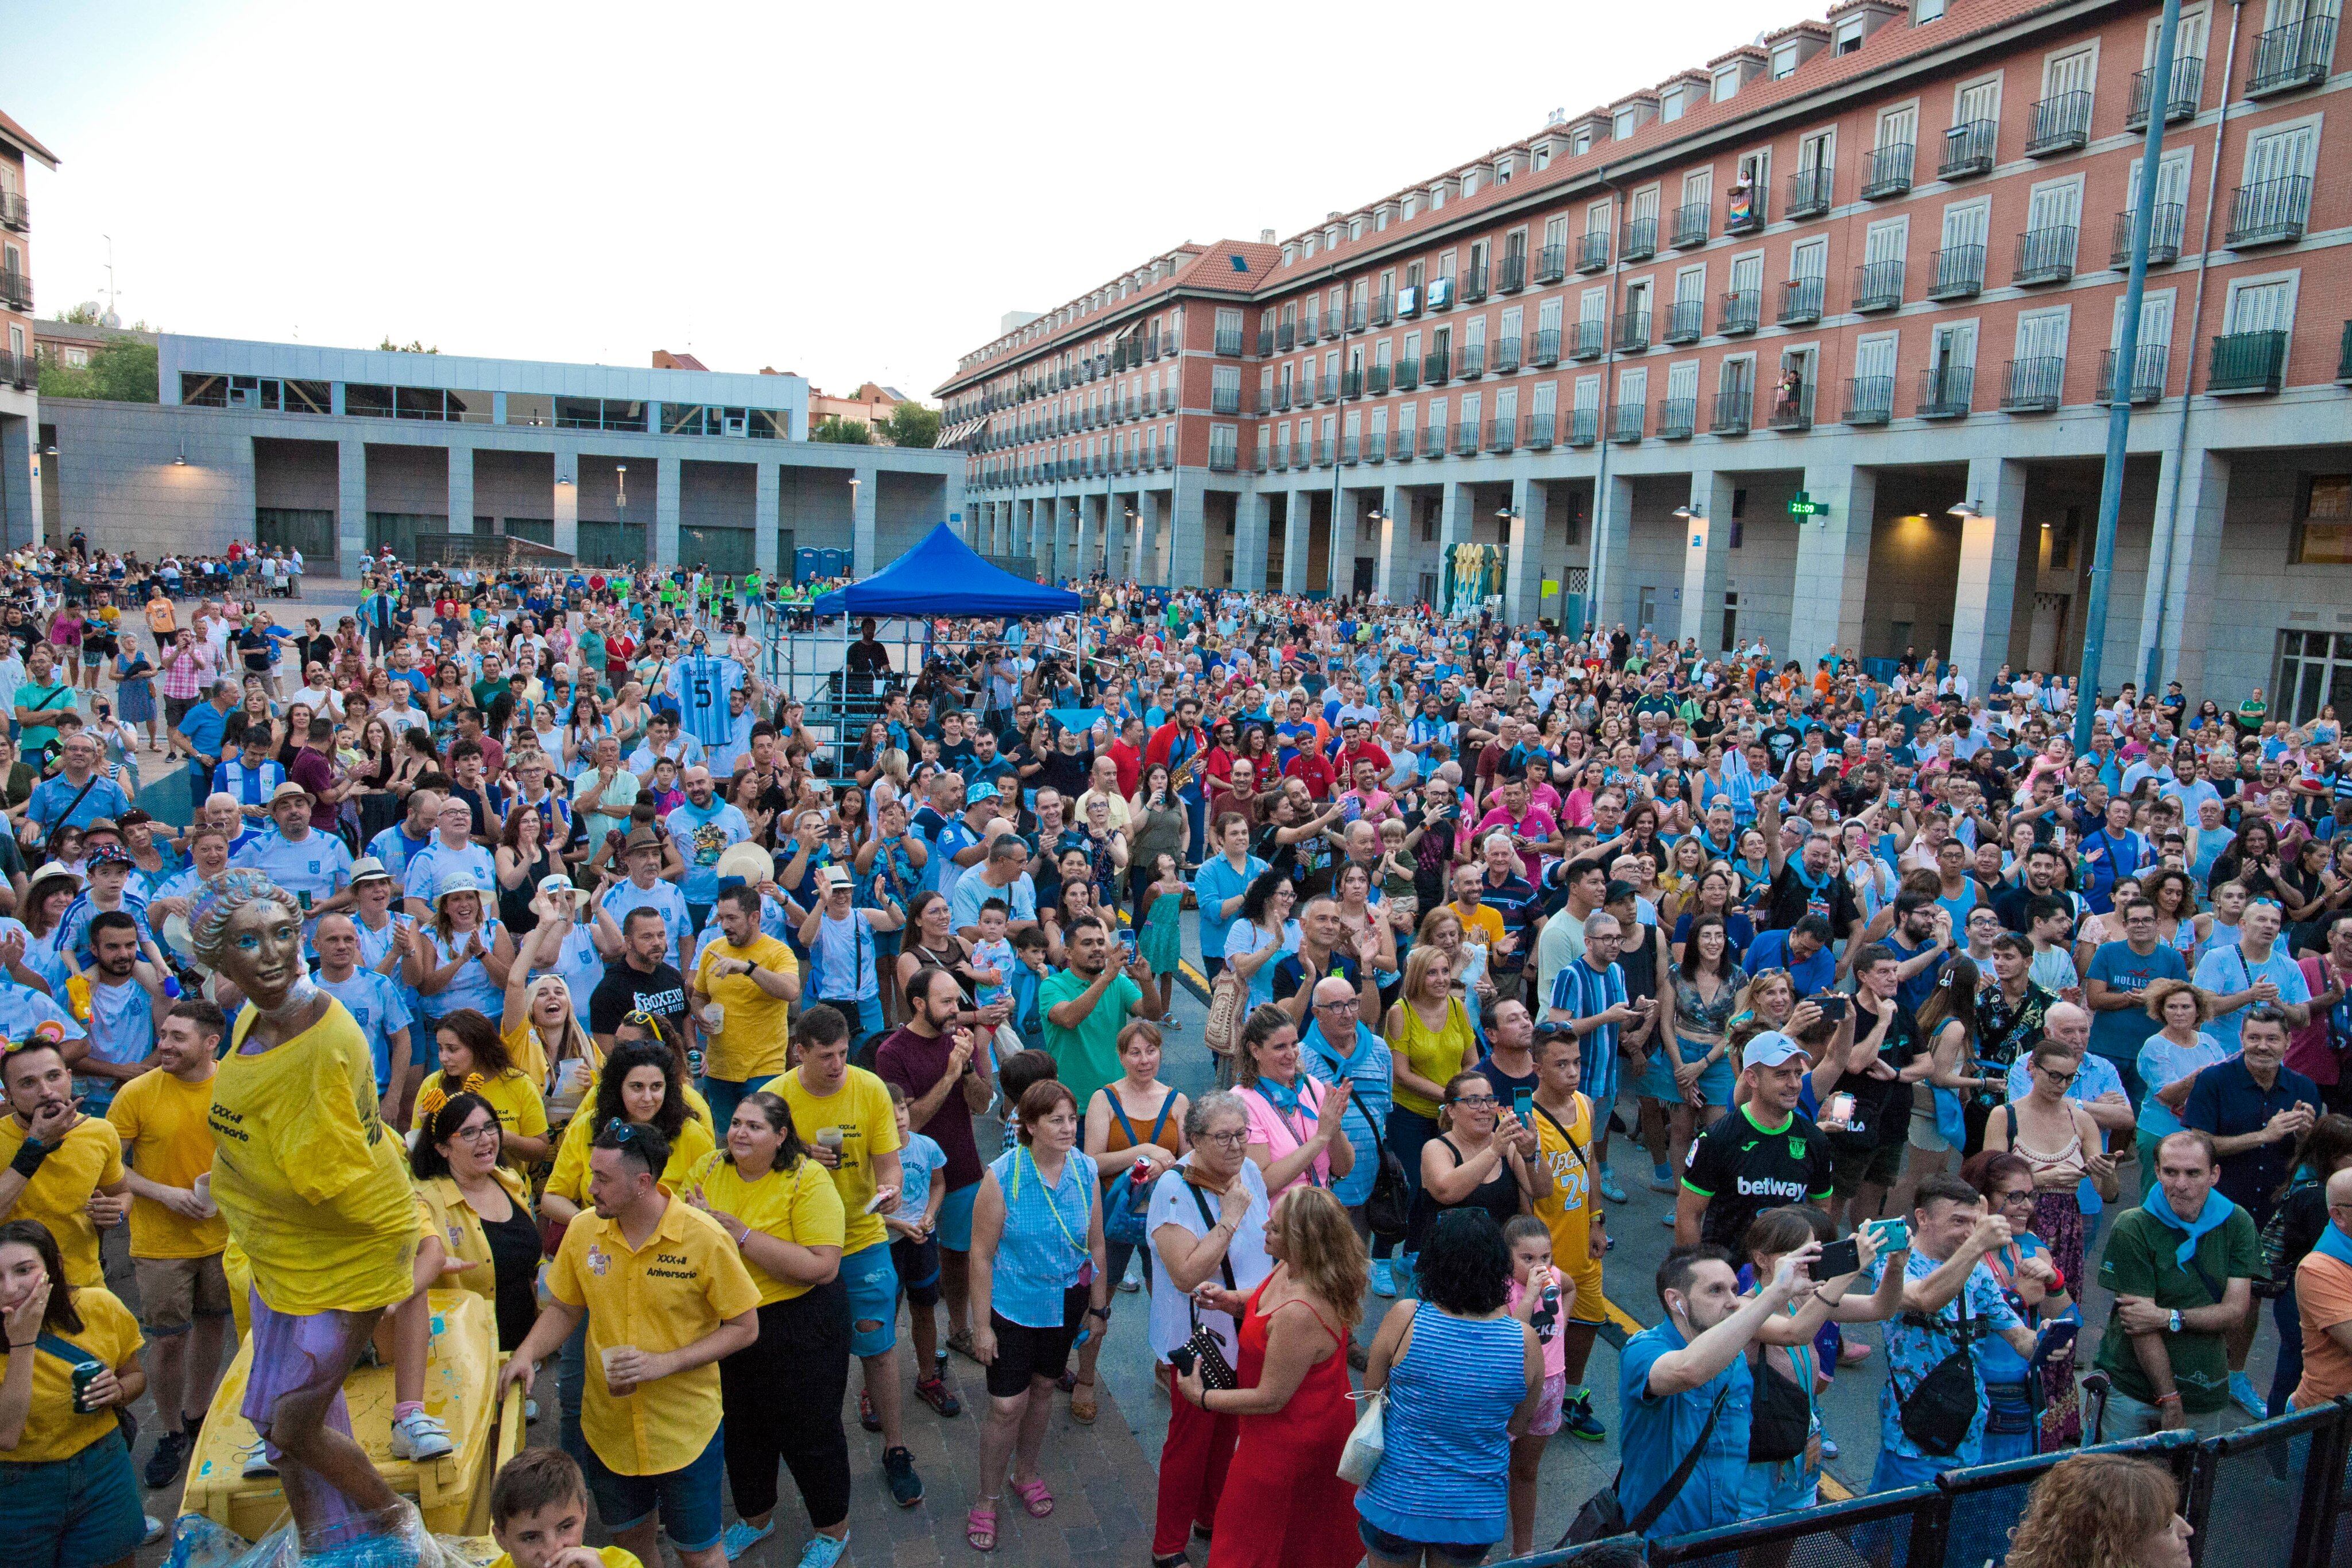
<point x="1670" y="104"/>
<point x="1849" y="36"/>
<point x="1926" y="10"/>
<point x="1503" y="171"/>
<point x="1727" y="82"/>
<point x="1784" y="62"/>
<point x="2323" y="537"/>
<point x="2260" y="305"/>
<point x="1355" y="228"/>
<point x="1410" y="208"/>
<point x="1582" y="141"/>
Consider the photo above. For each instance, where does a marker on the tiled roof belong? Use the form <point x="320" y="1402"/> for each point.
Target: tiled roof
<point x="11" y="131"/>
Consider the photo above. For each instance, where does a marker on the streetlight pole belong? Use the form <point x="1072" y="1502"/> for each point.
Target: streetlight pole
<point x="2126" y="372"/>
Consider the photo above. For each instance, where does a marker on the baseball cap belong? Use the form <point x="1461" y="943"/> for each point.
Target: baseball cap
<point x="107" y="854"/>
<point x="1769" y="1048"/>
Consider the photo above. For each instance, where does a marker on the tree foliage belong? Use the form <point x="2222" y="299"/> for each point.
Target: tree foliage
<point x="846" y="432"/>
<point x="912" y="424"/>
<point x="121" y="369"/>
<point x="414" y="346"/>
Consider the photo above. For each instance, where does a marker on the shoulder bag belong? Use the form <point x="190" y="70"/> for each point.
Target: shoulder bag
<point x="1124" y="1207"/>
<point x="1938" y="1410"/>
<point x="1388" y="1207"/>
<point x="1204" y="1350"/>
<point x="1603" y="1515"/>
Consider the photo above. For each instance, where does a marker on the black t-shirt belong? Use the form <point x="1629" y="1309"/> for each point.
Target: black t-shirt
<point x="867" y="658"/>
<point x="1742" y="1170"/>
<point x="1289" y="974"/>
<point x="1780" y="740"/>
<point x="1882" y="1106"/>
<point x="1791" y="900"/>
<point x="625" y="990"/>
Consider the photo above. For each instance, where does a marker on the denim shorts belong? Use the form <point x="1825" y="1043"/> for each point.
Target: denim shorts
<point x="954" y="1230"/>
<point x="872" y="1282"/>
<point x="75" y="1512"/>
<point x="688" y="1498"/>
<point x="1396" y="1547"/>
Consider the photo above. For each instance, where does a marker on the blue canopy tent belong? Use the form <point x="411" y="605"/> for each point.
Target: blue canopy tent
<point x="944" y="576"/>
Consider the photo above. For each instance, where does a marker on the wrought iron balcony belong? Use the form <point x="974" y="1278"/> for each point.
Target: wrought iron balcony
<point x="1583" y="426"/>
<point x="1383" y="309"/>
<point x="2188" y="87"/>
<point x="1592" y="251"/>
<point x="1265" y="341"/>
<point x="1404" y="445"/>
<point x="1351" y="450"/>
<point x="1890" y="171"/>
<point x="1686" y="321"/>
<point x="1502" y="434"/>
<point x="2151" y="365"/>
<point x="1968" y="149"/>
<point x="1792" y="408"/>
<point x="1747" y="213"/>
<point x="1302" y="453"/>
<point x="16" y="212"/>
<point x="1282" y="398"/>
<point x="1310" y="326"/>
<point x="2296" y="55"/>
<point x="1692" y="222"/>
<point x="1677" y="418"/>
<point x="1801" y="302"/>
<point x="1735" y="408"/>
<point x="1465" y="438"/>
<point x="2270" y="212"/>
<point x="1640" y="240"/>
<point x="1551" y="264"/>
<point x="1809" y="191"/>
<point x="1591" y="340"/>
<point x="1376" y="446"/>
<point x="1627" y="421"/>
<point x="1469" y="361"/>
<point x="1513" y="276"/>
<point x="1434" y="366"/>
<point x="2248" y="362"/>
<point x="2060" y="123"/>
<point x="2343" y="357"/>
<point x="2171" y="221"/>
<point x="1743" y="312"/>
<point x="1328" y="389"/>
<point x="1474" y="284"/>
<point x="2032" y="386"/>
<point x="1535" y="429"/>
<point x="1432" y="440"/>
<point x="1286" y="338"/>
<point x="1878" y="285"/>
<point x="1408" y="375"/>
<point x="1507" y="355"/>
<point x="2045" y="255"/>
<point x="1543" y="348"/>
<point x="19" y="370"/>
<point x="1335" y="323"/>
<point x="1281" y="454"/>
<point x="1326" y="452"/>
<point x="1376" y="381"/>
<point x="1225" y="400"/>
<point x="1869" y="399"/>
<point x="1632" y="331"/>
<point x="1223" y="458"/>
<point x="1958" y="272"/>
<point x="1360" y="315"/>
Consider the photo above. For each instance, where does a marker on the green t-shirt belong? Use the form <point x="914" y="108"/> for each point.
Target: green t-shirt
<point x="57" y="699"/>
<point x="1087" y="1058"/>
<point x="2140" y="1261"/>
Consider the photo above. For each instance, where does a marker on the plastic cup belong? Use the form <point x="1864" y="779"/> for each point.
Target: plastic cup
<point x="829" y="1137"/>
<point x="714" y="1017"/>
<point x="203" y="1189"/>
<point x="609" y="1353"/>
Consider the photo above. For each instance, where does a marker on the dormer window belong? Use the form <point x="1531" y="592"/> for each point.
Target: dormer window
<point x="1784" y="62"/>
<point x="1622" y="126"/>
<point x="1848" y="37"/>
<point x="1470" y="183"/>
<point x="1580" y="142"/>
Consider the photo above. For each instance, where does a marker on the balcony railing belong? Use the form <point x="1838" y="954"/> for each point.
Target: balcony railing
<point x="1376" y="381"/>
<point x="1360" y="315"/>
<point x="2060" y="123"/>
<point x="1432" y="440"/>
<point x="1677" y="418"/>
<point x="19" y="370"/>
<point x="1383" y="309"/>
<point x="1286" y="338"/>
<point x="2045" y="255"/>
<point x="1583" y="426"/>
<point x="1793" y="407"/>
<point x="1376" y="446"/>
<point x="2294" y="56"/>
<point x="1632" y="331"/>
<point x="1502" y="433"/>
<point x="1168" y="396"/>
<point x="1434" y="366"/>
<point x="1282" y="398"/>
<point x="1692" y="222"/>
<point x="1301" y="454"/>
<point x="1735" y="408"/>
<point x="1513" y="274"/>
<point x="1326" y="452"/>
<point x="1328" y="389"/>
<point x="1592" y="251"/>
<point x="1408" y="375"/>
<point x="1743" y="312"/>
<point x="2188" y="87"/>
<point x="1465" y="438"/>
<point x="1352" y="383"/>
<point x="1890" y="171"/>
<point x="2150" y="366"/>
<point x="2248" y="362"/>
<point x="1958" y="272"/>
<point x="1869" y="399"/>
<point x="1474" y="284"/>
<point x="1310" y="326"/>
<point x="1626" y="422"/>
<point x="1747" y="213"/>
<point x="1335" y="323"/>
<point x="1281" y="454"/>
<point x="1878" y="285"/>
<point x="1223" y="459"/>
<point x="1809" y="191"/>
<point x="1968" y="149"/>
<point x="1945" y="392"/>
<point x="1507" y="355"/>
<point x="1265" y="341"/>
<point x="1264" y="401"/>
<point x="1686" y="321"/>
<point x="1403" y="452"/>
<point x="17" y="292"/>
<point x="1543" y="346"/>
<point x="1225" y="400"/>
<point x="2270" y="212"/>
<point x="1591" y="340"/>
<point x="16" y="212"/>
<point x="1469" y="361"/>
<point x="2343" y="357"/>
<point x="2170" y="220"/>
<point x="2032" y="386"/>
<point x="1536" y="431"/>
<point x="1551" y="264"/>
<point x="1801" y="302"/>
<point x="1351" y="450"/>
<point x="1640" y="240"/>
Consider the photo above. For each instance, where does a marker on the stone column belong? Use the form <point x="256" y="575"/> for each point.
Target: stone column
<point x="1523" y="576"/>
<point x="1143" y="550"/>
<point x="1188" y="529"/>
<point x="1706" y="556"/>
<point x="1396" y="533"/>
<point x="1298" y="529"/>
<point x="2176" y="622"/>
<point x="1612" y="532"/>
<point x="1252" y="532"/>
<point x="1984" y="597"/>
<point x="461" y="490"/>
<point x="351" y="505"/>
<point x="667" y="477"/>
<point x="1833" y="563"/>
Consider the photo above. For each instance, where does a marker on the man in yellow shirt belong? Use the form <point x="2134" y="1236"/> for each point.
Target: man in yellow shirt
<point x="747" y="981"/>
<point x="843" y="1116"/>
<point x="1563" y="1122"/>
<point x="667" y="1296"/>
<point x="177" y="1237"/>
<point x="57" y="1165"/>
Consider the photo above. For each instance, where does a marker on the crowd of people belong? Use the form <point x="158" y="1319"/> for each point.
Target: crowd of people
<point x="718" y="1047"/>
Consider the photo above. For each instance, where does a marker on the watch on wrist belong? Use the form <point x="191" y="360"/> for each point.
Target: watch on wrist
<point x="2176" y="1320"/>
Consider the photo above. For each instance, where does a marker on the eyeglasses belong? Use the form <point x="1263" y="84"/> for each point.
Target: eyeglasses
<point x="1233" y="1140"/>
<point x="1346" y="1005"/>
<point x="479" y="1130"/>
<point x="1473" y="1100"/>
<point x="2015" y="1199"/>
<point x="2056" y="1076"/>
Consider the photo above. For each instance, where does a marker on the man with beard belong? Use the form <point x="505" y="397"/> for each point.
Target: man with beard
<point x="701" y="830"/>
<point x="64" y="1170"/>
<point x="117" y="1001"/>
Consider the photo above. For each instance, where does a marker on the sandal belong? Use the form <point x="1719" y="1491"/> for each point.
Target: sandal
<point x="961" y="1344"/>
<point x="1083" y="1407"/>
<point x="1035" y="1497"/>
<point x="980" y="1527"/>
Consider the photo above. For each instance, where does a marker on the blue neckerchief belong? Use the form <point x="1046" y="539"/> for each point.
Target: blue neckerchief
<point x="1284" y="1100"/>
<point x="2335" y="1244"/>
<point x="2216" y="1210"/>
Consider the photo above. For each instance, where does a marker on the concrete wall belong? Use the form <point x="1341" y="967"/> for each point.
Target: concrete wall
<point x="514" y="484"/>
<point x="2258" y="593"/>
<point x="295" y="473"/>
<point x="714" y="495"/>
<point x="412" y="479"/>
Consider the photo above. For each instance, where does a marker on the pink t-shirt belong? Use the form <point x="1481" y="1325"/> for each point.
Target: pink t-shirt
<point x="1537" y="824"/>
<point x="1555" y="1354"/>
<point x="1283" y="1135"/>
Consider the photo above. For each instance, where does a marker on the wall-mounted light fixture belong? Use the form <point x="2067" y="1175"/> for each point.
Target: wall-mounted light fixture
<point x="1965" y="509"/>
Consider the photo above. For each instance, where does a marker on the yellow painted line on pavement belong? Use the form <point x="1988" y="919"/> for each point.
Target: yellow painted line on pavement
<point x="1617" y="1315"/>
<point x="1832" y="1491"/>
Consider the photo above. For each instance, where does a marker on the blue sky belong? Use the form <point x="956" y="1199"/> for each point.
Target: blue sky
<point x="849" y="192"/>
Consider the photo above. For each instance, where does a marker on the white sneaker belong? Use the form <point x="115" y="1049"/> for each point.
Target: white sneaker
<point x="256" y="1462"/>
<point x="1132" y="1280"/>
<point x="417" y="1436"/>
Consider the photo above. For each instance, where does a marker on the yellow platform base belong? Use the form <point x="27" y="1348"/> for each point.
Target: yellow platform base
<point x="453" y="1493"/>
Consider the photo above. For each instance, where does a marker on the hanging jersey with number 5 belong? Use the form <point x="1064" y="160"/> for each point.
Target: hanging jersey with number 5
<point x="701" y="684"/>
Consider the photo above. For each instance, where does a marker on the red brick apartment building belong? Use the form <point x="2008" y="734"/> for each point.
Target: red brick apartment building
<point x="1876" y="262"/>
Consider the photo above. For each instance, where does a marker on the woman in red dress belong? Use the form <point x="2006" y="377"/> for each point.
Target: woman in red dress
<point x="1285" y="1505"/>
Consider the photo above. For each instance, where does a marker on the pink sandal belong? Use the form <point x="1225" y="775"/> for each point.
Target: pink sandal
<point x="979" y="1529"/>
<point x="1035" y="1497"/>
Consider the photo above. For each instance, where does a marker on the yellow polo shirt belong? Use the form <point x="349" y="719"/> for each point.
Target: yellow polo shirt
<point x="676" y="1290"/>
<point x="163" y="1124"/>
<point x="55" y="1430"/>
<point x="861" y="1109"/>
<point x="798" y="1205"/>
<point x="314" y="1187"/>
<point x="90" y="1158"/>
<point x="752" y="1043"/>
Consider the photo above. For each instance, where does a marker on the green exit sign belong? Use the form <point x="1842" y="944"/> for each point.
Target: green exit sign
<point x="1804" y="505"/>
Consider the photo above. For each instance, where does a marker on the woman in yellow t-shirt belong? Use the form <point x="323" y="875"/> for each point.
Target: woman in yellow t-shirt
<point x="474" y="1061"/>
<point x="542" y="1031"/>
<point x="785" y="1216"/>
<point x="71" y="1495"/>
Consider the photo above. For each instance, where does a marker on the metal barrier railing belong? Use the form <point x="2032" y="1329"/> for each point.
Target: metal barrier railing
<point x="2277" y="1494"/>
